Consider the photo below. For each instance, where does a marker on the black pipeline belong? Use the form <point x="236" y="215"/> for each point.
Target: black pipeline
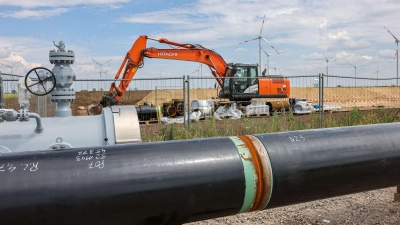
<point x="181" y="181"/>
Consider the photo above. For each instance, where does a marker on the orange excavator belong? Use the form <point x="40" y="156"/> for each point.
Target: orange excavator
<point x="238" y="82"/>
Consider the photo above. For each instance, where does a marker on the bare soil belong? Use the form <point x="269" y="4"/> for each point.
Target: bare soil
<point x="86" y="98"/>
<point x="371" y="207"/>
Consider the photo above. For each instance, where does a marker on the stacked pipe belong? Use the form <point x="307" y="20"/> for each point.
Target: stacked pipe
<point x="181" y="181"/>
<point x="147" y="112"/>
<point x="173" y="108"/>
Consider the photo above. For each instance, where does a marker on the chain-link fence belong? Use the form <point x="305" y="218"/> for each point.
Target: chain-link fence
<point x="174" y="97"/>
<point x="9" y="87"/>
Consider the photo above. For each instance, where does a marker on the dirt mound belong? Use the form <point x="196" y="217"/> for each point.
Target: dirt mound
<point x="86" y="98"/>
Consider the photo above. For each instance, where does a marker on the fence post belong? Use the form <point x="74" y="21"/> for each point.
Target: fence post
<point x="184" y="102"/>
<point x="188" y="99"/>
<point x="321" y="99"/>
<point x="1" y="91"/>
<point x="155" y="95"/>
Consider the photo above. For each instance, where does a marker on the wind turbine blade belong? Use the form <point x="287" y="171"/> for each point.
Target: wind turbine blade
<point x="95" y="61"/>
<point x="325" y="57"/>
<point x="5" y="65"/>
<point x="262" y="25"/>
<point x="270" y="54"/>
<point x="391" y="34"/>
<point x="265" y="52"/>
<point x="270" y="45"/>
<point x="249" y="40"/>
<point x="16" y="63"/>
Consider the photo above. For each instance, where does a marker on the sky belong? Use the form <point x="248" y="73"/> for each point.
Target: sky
<point x="305" y="32"/>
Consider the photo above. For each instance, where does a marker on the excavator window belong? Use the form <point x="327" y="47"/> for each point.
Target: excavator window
<point x="226" y="90"/>
<point x="253" y="76"/>
<point x="240" y="81"/>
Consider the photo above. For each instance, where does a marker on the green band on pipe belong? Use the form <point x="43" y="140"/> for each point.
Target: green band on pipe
<point x="249" y="174"/>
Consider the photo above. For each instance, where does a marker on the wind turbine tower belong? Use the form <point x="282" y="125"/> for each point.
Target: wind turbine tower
<point x="355" y="73"/>
<point x="397" y="55"/>
<point x="268" y="55"/>
<point x="259" y="38"/>
<point x="327" y="67"/>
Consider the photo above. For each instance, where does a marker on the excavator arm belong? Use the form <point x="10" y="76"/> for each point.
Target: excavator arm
<point x="134" y="60"/>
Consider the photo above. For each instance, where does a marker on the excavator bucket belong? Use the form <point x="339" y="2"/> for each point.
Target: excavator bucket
<point x="107" y="100"/>
<point x="95" y="109"/>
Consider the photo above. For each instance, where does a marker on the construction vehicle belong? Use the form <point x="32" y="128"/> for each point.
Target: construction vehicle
<point x="238" y="81"/>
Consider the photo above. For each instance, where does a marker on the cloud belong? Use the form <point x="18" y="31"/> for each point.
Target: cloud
<point x="160" y="17"/>
<point x="4" y="53"/>
<point x="367" y="57"/>
<point x="357" y="45"/>
<point x="344" y="55"/>
<point x="84" y="68"/>
<point x="34" y="14"/>
<point x="343" y="41"/>
<point x="313" y="56"/>
<point x="341" y="36"/>
<point x="56" y="3"/>
<point x="18" y="63"/>
<point x="352" y="30"/>
<point x="388" y="54"/>
<point x="323" y="24"/>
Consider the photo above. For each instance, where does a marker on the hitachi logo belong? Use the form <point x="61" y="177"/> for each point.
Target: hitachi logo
<point x="167" y="54"/>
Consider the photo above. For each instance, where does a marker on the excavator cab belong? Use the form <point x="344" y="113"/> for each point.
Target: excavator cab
<point x="242" y="83"/>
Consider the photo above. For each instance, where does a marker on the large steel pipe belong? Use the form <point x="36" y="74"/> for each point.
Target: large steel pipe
<point x="182" y="181"/>
<point x="321" y="163"/>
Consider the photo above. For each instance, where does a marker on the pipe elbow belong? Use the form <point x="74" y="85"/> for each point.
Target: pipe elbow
<point x="39" y="127"/>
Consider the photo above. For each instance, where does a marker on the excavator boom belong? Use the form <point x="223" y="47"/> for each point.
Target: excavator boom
<point x="186" y="52"/>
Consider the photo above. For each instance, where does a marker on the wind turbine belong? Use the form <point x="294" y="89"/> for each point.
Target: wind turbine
<point x="11" y="66"/>
<point x="355" y="73"/>
<point x="101" y="66"/>
<point x="259" y="38"/>
<point x="397" y="54"/>
<point x="268" y="55"/>
<point x="377" y="72"/>
<point x="327" y="67"/>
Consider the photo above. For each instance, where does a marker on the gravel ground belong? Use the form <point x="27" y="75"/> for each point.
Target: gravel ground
<point x="372" y="207"/>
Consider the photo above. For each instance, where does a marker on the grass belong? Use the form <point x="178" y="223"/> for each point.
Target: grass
<point x="278" y="122"/>
<point x="9" y="96"/>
